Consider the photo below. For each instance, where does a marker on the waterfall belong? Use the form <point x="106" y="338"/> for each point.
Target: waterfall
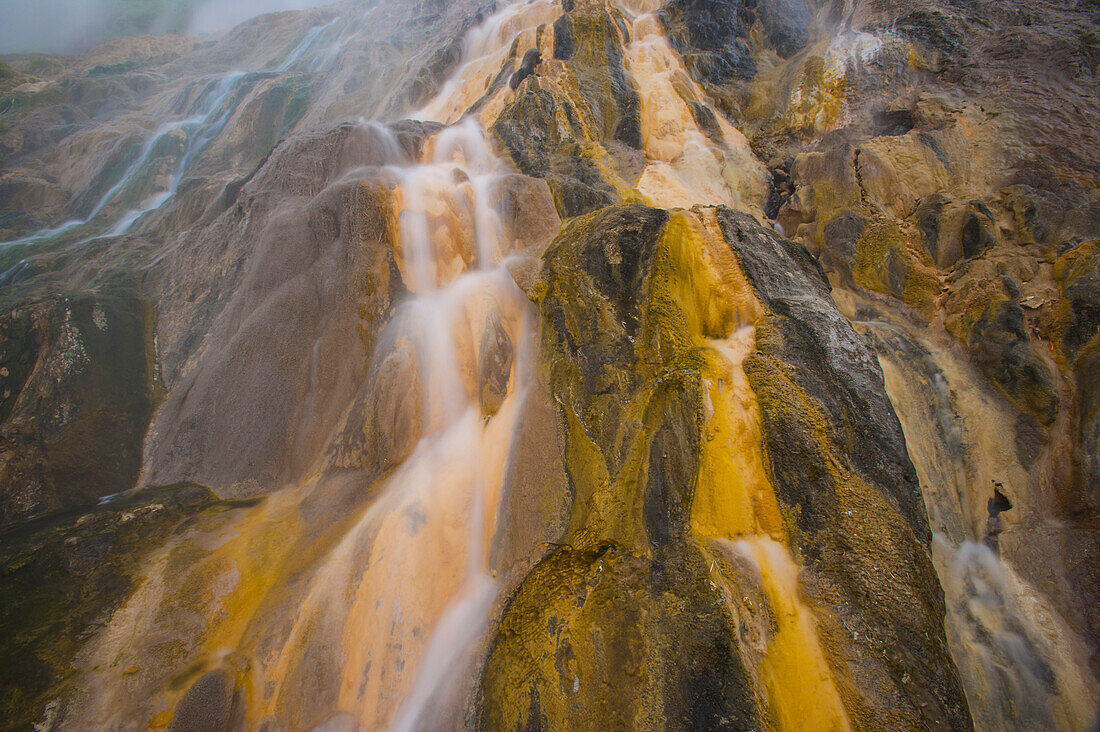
<point x="208" y="116"/>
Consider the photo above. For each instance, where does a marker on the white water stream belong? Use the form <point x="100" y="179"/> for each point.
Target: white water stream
<point x="206" y="118"/>
<point x="416" y="562"/>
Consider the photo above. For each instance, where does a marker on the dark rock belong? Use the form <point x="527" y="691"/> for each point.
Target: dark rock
<point x="386" y="418"/>
<point x="531" y="59"/>
<point x="842" y="235"/>
<point x="603" y="80"/>
<point x="77" y="399"/>
<point x="494" y="366"/>
<point x="932" y="29"/>
<point x="708" y="122"/>
<point x="673" y="464"/>
<point x="1001" y="348"/>
<point x="207" y="706"/>
<point x="894" y="122"/>
<point x="1079" y="274"/>
<point x="1030" y="438"/>
<point x="565" y="40"/>
<point x="585" y="621"/>
<point x="627" y="590"/>
<point x="709" y="36"/>
<point x="833" y="363"/>
<point x="977" y="232"/>
<point x="71" y="570"/>
<point x="952" y="230"/>
<point x="529" y="130"/>
<point x="1088" y="390"/>
<point x="837" y="458"/>
<point x="1062" y="217"/>
<point x="576" y="198"/>
<point x="786" y="23"/>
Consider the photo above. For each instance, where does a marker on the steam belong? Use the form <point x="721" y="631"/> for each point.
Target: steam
<point x="72" y="26"/>
<point x="51" y="26"/>
<point x="215" y="15"/>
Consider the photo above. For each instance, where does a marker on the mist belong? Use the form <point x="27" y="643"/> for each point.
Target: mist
<point x="72" y="26"/>
<point x="215" y="15"/>
<point x="51" y="26"/>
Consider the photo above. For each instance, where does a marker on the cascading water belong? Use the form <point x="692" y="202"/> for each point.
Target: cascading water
<point x="210" y="112"/>
<point x="215" y="109"/>
<point x="417" y="561"/>
<point x="483" y="50"/>
<point x="305" y="45"/>
<point x="1018" y="658"/>
<point x="673" y="492"/>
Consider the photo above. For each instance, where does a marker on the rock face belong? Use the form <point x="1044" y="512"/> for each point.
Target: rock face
<point x="551" y="365"/>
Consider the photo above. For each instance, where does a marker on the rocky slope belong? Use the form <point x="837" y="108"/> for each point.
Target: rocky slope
<point x="556" y="364"/>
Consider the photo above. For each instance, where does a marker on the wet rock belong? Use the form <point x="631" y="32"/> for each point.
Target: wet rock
<point x="601" y="261"/>
<point x="494" y="366"/>
<point x="207" y="706"/>
<point x="386" y="419"/>
<point x="707" y="120"/>
<point x="852" y="370"/>
<point x="786" y="23"/>
<point x="442" y="62"/>
<point x="527" y="213"/>
<point x="992" y="326"/>
<point x="323" y="262"/>
<point x="535" y="510"/>
<point x="598" y="612"/>
<point x="927" y="217"/>
<point x="839" y="465"/>
<point x="77" y="398"/>
<point x="341" y="722"/>
<point x="71" y="570"/>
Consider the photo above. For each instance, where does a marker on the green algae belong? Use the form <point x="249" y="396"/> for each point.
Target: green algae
<point x="627" y="301"/>
<point x="601" y="638"/>
<point x="886" y="263"/>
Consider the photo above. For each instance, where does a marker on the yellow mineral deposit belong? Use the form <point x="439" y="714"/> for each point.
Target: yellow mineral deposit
<point x="734" y="501"/>
<point x="369" y="595"/>
<point x="683" y="167"/>
<point x="798" y="682"/>
<point x="212" y="580"/>
<point x="484" y="50"/>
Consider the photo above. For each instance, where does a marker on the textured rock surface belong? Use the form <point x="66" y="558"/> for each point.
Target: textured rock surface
<point x="710" y="365"/>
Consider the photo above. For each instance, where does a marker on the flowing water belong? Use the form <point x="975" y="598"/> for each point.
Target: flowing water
<point x="1019" y="660"/>
<point x="398" y="607"/>
<point x="416" y="562"/>
<point x="173" y="145"/>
